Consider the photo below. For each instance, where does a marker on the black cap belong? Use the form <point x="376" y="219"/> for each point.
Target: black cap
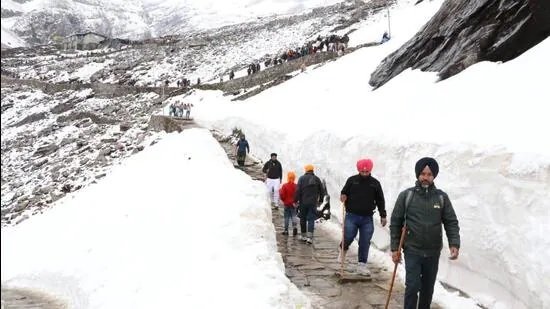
<point x="273" y="154"/>
<point x="429" y="162"/>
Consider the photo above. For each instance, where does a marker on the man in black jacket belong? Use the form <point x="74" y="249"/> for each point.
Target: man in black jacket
<point x="361" y="195"/>
<point x="274" y="175"/>
<point x="309" y="194"/>
<point x="422" y="210"/>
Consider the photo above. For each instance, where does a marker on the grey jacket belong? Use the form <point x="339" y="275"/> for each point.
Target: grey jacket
<point x="424" y="216"/>
<point x="309" y="190"/>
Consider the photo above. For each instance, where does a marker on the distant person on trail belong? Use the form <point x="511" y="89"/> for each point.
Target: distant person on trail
<point x="385" y="38"/>
<point x="286" y="193"/>
<point x="361" y="195"/>
<point x="242" y="149"/>
<point x="420" y="211"/>
<point x="188" y="110"/>
<point x="274" y="176"/>
<point x="309" y="194"/>
<point x="231" y="75"/>
<point x="345" y="40"/>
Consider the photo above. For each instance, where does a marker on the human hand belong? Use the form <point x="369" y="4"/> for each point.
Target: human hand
<point x="396" y="257"/>
<point x="383" y="221"/>
<point x="343" y="198"/>
<point x="454" y="253"/>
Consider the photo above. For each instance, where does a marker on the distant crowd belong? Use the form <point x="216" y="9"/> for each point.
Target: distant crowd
<point x="179" y="109"/>
<point x="330" y="43"/>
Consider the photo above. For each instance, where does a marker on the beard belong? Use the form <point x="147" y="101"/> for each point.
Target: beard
<point x="425" y="184"/>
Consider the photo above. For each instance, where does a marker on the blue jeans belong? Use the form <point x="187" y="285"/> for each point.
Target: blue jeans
<point x="307" y="218"/>
<point x="365" y="226"/>
<point x="290" y="215"/>
<point x="420" y="277"/>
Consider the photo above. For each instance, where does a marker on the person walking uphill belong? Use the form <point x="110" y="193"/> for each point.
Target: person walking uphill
<point x="286" y="194"/>
<point x="309" y="193"/>
<point x="274" y="176"/>
<point x="361" y="195"/>
<point x="242" y="149"/>
<point x="422" y="210"/>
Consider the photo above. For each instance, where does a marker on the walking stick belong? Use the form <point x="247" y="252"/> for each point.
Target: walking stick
<point x="342" y="243"/>
<point x="401" y="240"/>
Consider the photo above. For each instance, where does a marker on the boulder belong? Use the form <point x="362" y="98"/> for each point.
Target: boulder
<point x="464" y="32"/>
<point x="164" y="123"/>
<point x="46" y="150"/>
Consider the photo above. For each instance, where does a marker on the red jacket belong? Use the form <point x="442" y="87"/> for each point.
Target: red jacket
<point x="286" y="193"/>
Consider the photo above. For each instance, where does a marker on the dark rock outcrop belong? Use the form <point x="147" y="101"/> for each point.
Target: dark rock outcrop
<point x="32" y="118"/>
<point x="464" y="32"/>
<point x="83" y="115"/>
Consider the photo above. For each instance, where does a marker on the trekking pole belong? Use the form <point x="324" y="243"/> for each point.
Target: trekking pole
<point x="342" y="243"/>
<point x="401" y="240"/>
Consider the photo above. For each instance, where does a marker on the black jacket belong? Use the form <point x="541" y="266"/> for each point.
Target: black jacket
<point x="273" y="169"/>
<point x="364" y="195"/>
<point x="309" y="190"/>
<point x="424" y="217"/>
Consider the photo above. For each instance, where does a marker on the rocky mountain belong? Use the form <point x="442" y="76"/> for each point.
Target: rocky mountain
<point x="466" y="32"/>
<point x="69" y="116"/>
<point x="43" y="22"/>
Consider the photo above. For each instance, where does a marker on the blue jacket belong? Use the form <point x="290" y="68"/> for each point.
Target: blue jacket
<point x="242" y="146"/>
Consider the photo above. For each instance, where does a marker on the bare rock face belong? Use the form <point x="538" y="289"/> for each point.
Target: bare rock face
<point x="164" y="123"/>
<point x="464" y="32"/>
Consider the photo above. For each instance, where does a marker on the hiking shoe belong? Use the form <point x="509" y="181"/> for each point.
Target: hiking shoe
<point x="362" y="269"/>
<point x="303" y="238"/>
<point x="309" y="240"/>
<point x="294" y="232"/>
<point x="285" y="232"/>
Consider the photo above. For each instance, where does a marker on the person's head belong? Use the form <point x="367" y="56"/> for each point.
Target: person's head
<point x="242" y="136"/>
<point x="290" y="176"/>
<point x="309" y="168"/>
<point x="364" y="167"/>
<point x="273" y="156"/>
<point x="426" y="170"/>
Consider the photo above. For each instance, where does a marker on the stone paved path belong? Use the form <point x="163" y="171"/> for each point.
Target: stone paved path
<point x="28" y="299"/>
<point x="313" y="268"/>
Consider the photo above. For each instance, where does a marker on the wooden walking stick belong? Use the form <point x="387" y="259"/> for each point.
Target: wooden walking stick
<point x="401" y="240"/>
<point x="342" y="243"/>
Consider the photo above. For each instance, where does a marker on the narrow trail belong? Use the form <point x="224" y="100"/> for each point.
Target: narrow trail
<point x="312" y="268"/>
<point x="15" y="298"/>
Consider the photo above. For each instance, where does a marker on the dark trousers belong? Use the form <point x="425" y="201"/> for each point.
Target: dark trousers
<point x="420" y="279"/>
<point x="307" y="218"/>
<point x="241" y="156"/>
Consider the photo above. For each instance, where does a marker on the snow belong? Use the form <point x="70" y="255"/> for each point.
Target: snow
<point x="10" y="39"/>
<point x="486" y="127"/>
<point x="208" y="14"/>
<point x="139" y="19"/>
<point x="154" y="236"/>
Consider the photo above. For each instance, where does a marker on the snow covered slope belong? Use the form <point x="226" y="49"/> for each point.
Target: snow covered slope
<point x="147" y="239"/>
<point x="42" y="21"/>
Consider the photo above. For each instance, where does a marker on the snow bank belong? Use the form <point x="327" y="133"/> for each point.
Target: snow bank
<point x="175" y="226"/>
